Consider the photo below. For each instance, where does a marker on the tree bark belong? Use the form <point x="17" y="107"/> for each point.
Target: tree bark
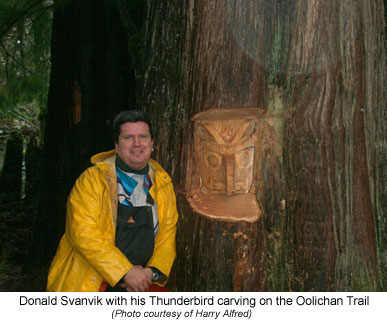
<point x="317" y="68"/>
<point x="91" y="81"/>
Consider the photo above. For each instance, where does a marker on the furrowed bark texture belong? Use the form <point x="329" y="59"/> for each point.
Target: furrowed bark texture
<point x="318" y="69"/>
<point x="334" y="146"/>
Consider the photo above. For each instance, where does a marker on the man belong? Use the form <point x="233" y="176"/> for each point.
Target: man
<point x="121" y="218"/>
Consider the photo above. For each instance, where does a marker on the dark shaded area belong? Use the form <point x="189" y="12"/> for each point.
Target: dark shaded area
<point x="17" y="221"/>
<point x="92" y="78"/>
<point x="33" y="172"/>
<point x="91" y="81"/>
<point x="11" y="173"/>
<point x="95" y="53"/>
<point x="16" y="225"/>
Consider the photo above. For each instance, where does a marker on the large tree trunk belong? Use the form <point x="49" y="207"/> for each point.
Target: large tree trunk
<point x="335" y="145"/>
<point x="317" y="69"/>
<point x="91" y="81"/>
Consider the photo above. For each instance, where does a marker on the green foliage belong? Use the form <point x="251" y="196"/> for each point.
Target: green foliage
<point x="25" y="36"/>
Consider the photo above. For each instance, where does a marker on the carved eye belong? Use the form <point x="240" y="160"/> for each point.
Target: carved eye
<point x="214" y="160"/>
<point x="245" y="158"/>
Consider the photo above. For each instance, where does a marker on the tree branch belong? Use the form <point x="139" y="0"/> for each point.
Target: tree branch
<point x="16" y="60"/>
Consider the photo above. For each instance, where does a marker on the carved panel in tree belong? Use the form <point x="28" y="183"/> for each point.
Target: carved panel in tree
<point x="226" y="145"/>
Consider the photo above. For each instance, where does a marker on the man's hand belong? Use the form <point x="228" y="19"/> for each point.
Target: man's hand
<point x="137" y="279"/>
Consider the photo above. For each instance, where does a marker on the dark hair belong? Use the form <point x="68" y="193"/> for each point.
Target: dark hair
<point x="130" y="116"/>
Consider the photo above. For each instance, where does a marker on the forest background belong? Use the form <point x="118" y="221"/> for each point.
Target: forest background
<point x="316" y="67"/>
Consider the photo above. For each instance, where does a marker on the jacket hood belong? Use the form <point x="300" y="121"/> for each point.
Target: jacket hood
<point x="102" y="157"/>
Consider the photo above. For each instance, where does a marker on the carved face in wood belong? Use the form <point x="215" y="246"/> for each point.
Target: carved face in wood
<point x="226" y="150"/>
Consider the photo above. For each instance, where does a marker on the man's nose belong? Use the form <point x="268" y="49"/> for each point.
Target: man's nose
<point x="136" y="141"/>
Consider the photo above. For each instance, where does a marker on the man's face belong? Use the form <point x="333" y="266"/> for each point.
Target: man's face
<point x="135" y="144"/>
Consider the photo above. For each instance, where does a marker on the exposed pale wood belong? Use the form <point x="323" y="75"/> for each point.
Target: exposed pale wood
<point x="228" y="113"/>
<point x="240" y="207"/>
<point x="226" y="146"/>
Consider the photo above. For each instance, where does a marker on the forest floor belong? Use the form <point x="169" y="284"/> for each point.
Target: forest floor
<point x="16" y="225"/>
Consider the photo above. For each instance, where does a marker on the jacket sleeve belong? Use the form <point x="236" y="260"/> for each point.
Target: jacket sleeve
<point x="88" y="223"/>
<point x="165" y="246"/>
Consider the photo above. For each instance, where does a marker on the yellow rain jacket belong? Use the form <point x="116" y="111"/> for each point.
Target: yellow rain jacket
<point x="86" y="254"/>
